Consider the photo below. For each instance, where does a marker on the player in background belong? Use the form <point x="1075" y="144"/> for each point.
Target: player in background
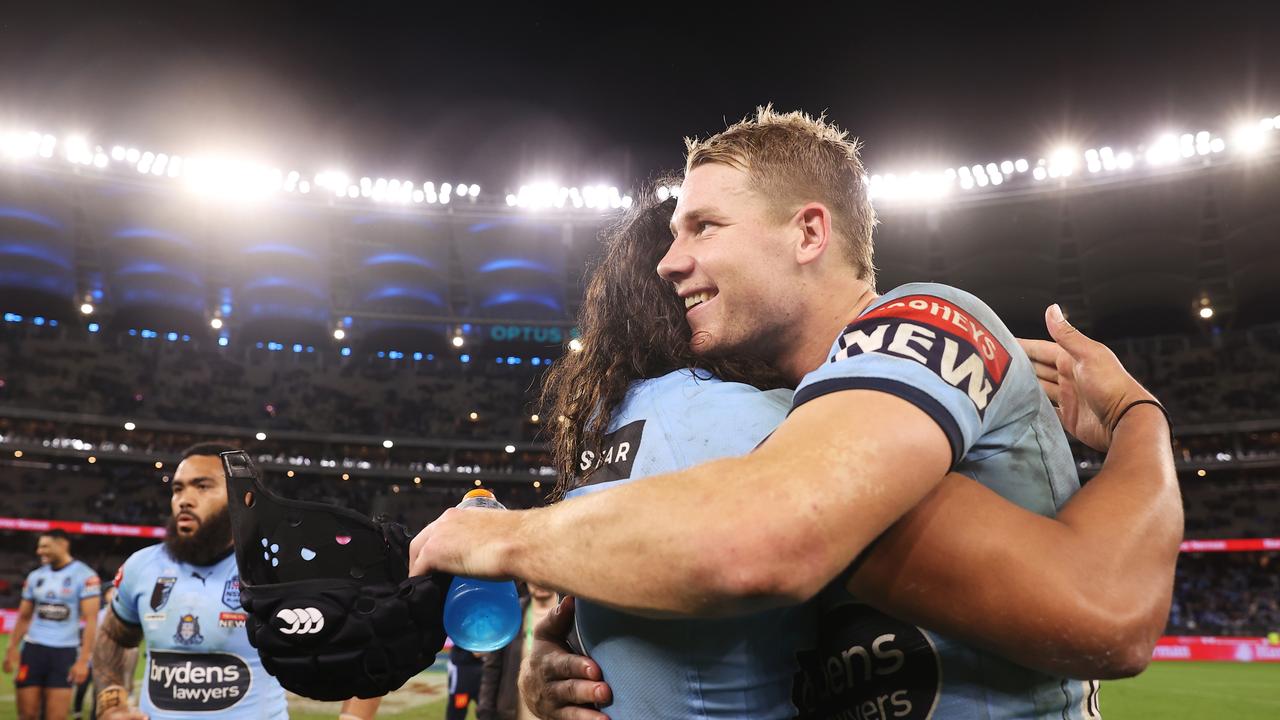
<point x="183" y="598"/>
<point x="55" y="655"/>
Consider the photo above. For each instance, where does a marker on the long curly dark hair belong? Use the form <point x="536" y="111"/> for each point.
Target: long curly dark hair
<point x="633" y="327"/>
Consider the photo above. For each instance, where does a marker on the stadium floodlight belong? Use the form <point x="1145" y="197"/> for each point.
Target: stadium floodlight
<point x="86" y="308"/>
<point x="510" y="449"/>
<point x="144" y="164"/>
<point x="1124" y="160"/>
<point x="100" y="160"/>
<point x="117" y="153"/>
<point x="1006" y="167"/>
<point x="132" y="155"/>
<point x="175" y="166"/>
<point x="511" y="200"/>
<point x="47" y="144"/>
<point x="1163" y="151"/>
<point x="260" y="436"/>
<point x="1039" y="173"/>
<point x="1217" y="145"/>
<point x="1063" y="160"/>
<point x="1249" y="138"/>
<point x="419" y="196"/>
<point x="474" y="192"/>
<point x="575" y="345"/>
<point x="473" y="416"/>
<point x="534" y="418"/>
<point x="231" y="178"/>
<point x="157" y="168"/>
<point x="1020" y="165"/>
<point x="388" y="444"/>
<point x="1206" y="313"/>
<point x="458" y="341"/>
<point x="537" y="484"/>
<point x="130" y="426"/>
<point x="75" y="147"/>
<point x="216" y="323"/>
<point x="1187" y="145"/>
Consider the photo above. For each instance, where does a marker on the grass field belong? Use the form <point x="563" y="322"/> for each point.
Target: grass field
<point x="1168" y="691"/>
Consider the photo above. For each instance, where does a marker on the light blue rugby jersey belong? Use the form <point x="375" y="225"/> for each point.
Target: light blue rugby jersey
<point x="56" y="595"/>
<point x="947" y="353"/>
<point x="706" y="668"/>
<point x="199" y="660"/>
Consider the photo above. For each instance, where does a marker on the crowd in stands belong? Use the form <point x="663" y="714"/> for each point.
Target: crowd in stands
<point x="1227" y="377"/>
<point x="71" y="371"/>
<point x="1210" y="378"/>
<point x="1232" y="594"/>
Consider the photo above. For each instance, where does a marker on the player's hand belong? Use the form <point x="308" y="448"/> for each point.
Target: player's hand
<point x="555" y="682"/>
<point x="11" y="660"/>
<point x="1083" y="378"/>
<point x="124" y="713"/>
<point x="78" y="672"/>
<point x="464" y="541"/>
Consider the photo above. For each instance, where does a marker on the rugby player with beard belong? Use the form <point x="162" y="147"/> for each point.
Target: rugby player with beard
<point x="183" y="597"/>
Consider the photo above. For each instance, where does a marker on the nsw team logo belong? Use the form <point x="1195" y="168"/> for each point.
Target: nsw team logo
<point x="188" y="631"/>
<point x="300" y="621"/>
<point x="231" y="593"/>
<point x="160" y="593"/>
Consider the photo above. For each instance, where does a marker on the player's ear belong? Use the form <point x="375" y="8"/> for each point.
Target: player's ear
<point x="813" y="221"/>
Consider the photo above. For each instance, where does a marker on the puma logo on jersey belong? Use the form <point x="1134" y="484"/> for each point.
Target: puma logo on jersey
<point x="300" y="621"/>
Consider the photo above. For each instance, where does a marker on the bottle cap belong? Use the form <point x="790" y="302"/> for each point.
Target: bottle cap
<point x="479" y="492"/>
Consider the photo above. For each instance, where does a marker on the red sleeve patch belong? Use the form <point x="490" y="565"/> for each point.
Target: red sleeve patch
<point x="945" y="316"/>
<point x="119" y="577"/>
<point x="937" y="334"/>
<point x="93" y="581"/>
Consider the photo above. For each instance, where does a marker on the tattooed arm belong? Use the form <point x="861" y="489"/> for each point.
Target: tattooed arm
<point x="111" y="665"/>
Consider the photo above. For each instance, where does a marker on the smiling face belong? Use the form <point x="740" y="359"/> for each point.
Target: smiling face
<point x="733" y="262"/>
<point x="53" y="550"/>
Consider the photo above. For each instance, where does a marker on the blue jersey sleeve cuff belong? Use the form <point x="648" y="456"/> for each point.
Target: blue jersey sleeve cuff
<point x="913" y="395"/>
<point x="124" y="620"/>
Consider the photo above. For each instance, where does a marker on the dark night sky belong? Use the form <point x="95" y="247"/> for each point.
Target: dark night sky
<point x="435" y="91"/>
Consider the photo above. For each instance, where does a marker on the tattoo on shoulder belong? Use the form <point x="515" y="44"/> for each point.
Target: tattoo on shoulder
<point x="123" y="633"/>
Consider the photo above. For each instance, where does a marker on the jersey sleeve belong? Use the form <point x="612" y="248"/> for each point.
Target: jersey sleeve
<point x="125" y="602"/>
<point x="90" y="585"/>
<point x="938" y="348"/>
<point x="28" y="593"/>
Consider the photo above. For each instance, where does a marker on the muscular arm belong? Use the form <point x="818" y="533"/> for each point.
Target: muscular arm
<point x="25" y="610"/>
<point x="734" y="535"/>
<point x="110" y="662"/>
<point x="89" y="611"/>
<point x="13" y="654"/>
<point x="1084" y="595"/>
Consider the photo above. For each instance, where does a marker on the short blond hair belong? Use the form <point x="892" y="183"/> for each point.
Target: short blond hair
<point x="793" y="158"/>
